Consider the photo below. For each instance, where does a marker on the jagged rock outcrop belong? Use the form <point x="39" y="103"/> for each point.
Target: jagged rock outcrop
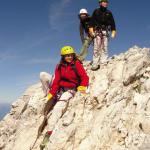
<point x="114" y="115"/>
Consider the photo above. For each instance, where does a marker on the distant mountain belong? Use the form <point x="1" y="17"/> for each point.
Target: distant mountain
<point x="4" y="109"/>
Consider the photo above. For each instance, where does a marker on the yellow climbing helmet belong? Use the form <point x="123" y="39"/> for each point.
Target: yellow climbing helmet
<point x="67" y="50"/>
<point x="100" y="1"/>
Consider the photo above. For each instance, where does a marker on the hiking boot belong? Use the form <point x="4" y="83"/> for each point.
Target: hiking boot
<point x="45" y="140"/>
<point x="94" y="68"/>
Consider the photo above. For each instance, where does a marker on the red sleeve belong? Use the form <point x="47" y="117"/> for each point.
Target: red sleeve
<point x="56" y="80"/>
<point x="82" y="73"/>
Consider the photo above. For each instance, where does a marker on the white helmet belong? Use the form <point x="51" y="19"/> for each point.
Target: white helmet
<point x="83" y="11"/>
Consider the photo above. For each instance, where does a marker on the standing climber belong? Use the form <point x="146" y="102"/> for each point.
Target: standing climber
<point x="103" y="22"/>
<point x="86" y="38"/>
<point x="70" y="76"/>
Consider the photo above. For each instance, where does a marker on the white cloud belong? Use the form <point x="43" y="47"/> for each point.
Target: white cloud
<point x="37" y="42"/>
<point x="59" y="15"/>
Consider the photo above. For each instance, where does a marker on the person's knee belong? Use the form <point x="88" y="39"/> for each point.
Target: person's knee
<point x="42" y="75"/>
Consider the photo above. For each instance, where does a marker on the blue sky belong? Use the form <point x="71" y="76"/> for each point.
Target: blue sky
<point x="33" y="31"/>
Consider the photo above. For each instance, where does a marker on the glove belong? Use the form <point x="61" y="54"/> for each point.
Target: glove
<point x="82" y="89"/>
<point x="49" y="104"/>
<point x="91" y="32"/>
<point x="49" y="96"/>
<point x="113" y="34"/>
<point x="91" y="29"/>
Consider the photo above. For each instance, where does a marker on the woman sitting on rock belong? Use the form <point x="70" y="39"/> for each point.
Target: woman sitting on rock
<point x="70" y="76"/>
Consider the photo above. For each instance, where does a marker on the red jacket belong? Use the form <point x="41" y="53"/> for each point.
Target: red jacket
<point x="66" y="77"/>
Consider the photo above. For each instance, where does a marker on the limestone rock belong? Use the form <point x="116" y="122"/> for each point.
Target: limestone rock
<point x="113" y="115"/>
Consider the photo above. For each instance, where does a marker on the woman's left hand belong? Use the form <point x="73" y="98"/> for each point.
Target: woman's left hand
<point x="82" y="89"/>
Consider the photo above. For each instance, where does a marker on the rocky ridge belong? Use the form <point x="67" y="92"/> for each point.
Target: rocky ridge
<point x="113" y="115"/>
